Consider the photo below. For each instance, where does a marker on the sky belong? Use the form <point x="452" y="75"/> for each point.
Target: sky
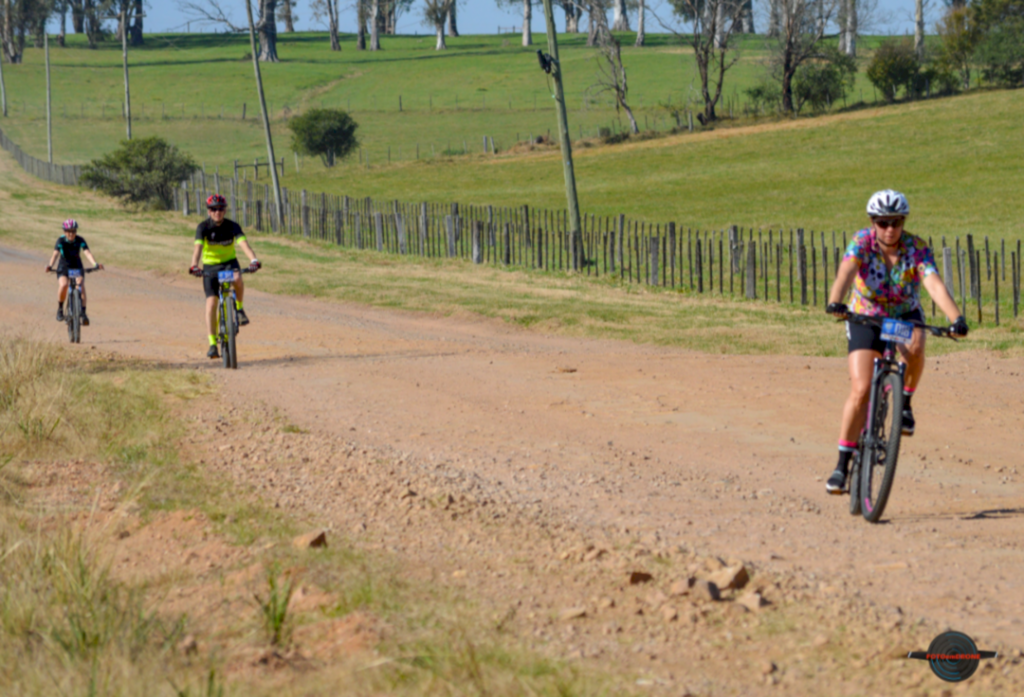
<point x="484" y="17"/>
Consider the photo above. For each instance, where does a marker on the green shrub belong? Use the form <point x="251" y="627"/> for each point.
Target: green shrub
<point x="141" y="171"/>
<point x="821" y="83"/>
<point x="328" y="133"/>
<point x="893" y="66"/>
<point x="765" y="97"/>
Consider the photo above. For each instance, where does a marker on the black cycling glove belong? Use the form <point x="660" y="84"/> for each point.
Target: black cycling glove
<point x="837" y="309"/>
<point x="959" y="327"/>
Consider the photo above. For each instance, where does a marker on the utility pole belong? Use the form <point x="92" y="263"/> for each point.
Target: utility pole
<point x="279" y="214"/>
<point x="554" y="68"/>
<point x="124" y="55"/>
<point x="49" y="116"/>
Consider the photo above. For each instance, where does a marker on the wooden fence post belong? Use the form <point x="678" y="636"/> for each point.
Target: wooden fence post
<point x="450" y="228"/>
<point x="359" y="230"/>
<point x="400" y="230"/>
<point x="378" y="225"/>
<point x="652" y="266"/>
<point x="995" y="280"/>
<point x="184" y="198"/>
<point x="506" y="252"/>
<point x="304" y="213"/>
<point x="972" y="269"/>
<point x="801" y="251"/>
<point x="620" y="233"/>
<point x="478" y="252"/>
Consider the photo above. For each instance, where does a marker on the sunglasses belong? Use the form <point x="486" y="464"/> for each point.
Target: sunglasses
<point x="216" y="210"/>
<point x="888" y="223"/>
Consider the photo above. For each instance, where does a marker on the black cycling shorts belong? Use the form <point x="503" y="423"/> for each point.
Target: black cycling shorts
<point x="868" y="336"/>
<point x="210" y="283"/>
<point x="62" y="267"/>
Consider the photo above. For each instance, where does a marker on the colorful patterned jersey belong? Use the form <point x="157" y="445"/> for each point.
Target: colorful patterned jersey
<point x="882" y="292"/>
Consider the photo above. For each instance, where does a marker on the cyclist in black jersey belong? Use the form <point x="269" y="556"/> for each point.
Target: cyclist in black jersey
<point x="215" y="245"/>
<point x="67" y="254"/>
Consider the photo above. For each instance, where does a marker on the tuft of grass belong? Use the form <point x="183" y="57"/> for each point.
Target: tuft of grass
<point x="274" y="605"/>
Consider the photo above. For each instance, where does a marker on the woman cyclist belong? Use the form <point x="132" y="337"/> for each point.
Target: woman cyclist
<point x="886" y="266"/>
<point x="67" y="254"/>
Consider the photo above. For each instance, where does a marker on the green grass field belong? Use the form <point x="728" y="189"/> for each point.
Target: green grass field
<point x="192" y="88"/>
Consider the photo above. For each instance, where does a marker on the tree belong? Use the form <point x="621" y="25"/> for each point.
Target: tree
<point x="287" y="16"/>
<point x="22" y="18"/>
<point x="801" y="31"/>
<point x="1000" y="49"/>
<point x="959" y="37"/>
<point x="362" y="15"/>
<point x="621" y="21"/>
<point x="141" y="171"/>
<point x="266" y="30"/>
<point x="435" y="13"/>
<point x="328" y="133"/>
<point x="328" y="9"/>
<point x="611" y="75"/>
<point x="713" y="22"/>
<point x="822" y="82"/>
<point x="453" y="23"/>
<point x="573" y="12"/>
<point x="374" y="25"/>
<point x="848" y="27"/>
<point x="641" y="35"/>
<point x="894" y="65"/>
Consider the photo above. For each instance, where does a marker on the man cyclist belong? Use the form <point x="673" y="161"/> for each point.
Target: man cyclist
<point x="215" y="243"/>
<point x="886" y="267"/>
<point x="69" y="250"/>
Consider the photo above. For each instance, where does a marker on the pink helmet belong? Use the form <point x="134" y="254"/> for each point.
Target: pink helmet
<point x="70" y="225"/>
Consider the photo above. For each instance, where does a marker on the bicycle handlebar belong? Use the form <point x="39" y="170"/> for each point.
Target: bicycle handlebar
<point x="877" y="321"/>
<point x="200" y="273"/>
<point x="95" y="268"/>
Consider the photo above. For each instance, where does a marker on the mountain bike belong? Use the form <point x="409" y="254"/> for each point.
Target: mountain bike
<point x="73" y="311"/>
<point x="874" y="463"/>
<point x="227" y="316"/>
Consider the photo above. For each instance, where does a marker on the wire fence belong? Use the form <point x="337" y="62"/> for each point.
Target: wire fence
<point x="68" y="175"/>
<point x="793" y="266"/>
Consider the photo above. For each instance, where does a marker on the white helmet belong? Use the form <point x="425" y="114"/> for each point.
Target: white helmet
<point x="888" y="202"/>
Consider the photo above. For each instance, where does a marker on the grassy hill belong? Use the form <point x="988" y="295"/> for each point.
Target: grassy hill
<point x="957" y="158"/>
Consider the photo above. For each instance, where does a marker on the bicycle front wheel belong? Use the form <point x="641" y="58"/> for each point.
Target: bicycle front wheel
<point x="75" y="327"/>
<point x="855" y="480"/>
<point x="232" y="334"/>
<point x="882" y="446"/>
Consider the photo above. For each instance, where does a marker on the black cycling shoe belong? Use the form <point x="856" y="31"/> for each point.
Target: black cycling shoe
<point x="242" y="319"/>
<point x="908" y="422"/>
<point x="60" y="314"/>
<point x="836" y="484"/>
<point x="85" y="320"/>
<point x="212" y="353"/>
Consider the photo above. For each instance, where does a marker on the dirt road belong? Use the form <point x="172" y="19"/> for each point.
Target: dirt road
<point x="724" y="454"/>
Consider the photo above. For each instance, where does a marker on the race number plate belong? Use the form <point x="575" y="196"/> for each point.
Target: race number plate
<point x="225" y="276"/>
<point x="894" y="330"/>
<point x="74" y="273"/>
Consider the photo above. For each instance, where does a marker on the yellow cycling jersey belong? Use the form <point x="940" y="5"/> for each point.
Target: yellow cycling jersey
<point x="218" y="240"/>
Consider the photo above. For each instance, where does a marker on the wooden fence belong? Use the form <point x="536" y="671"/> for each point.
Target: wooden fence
<point x="794" y="266"/>
<point x="58" y="174"/>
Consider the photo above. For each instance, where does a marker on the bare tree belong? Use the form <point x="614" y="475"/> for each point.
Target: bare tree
<point x="21" y="19"/>
<point x="846" y="18"/>
<point x="209" y="12"/>
<point x="597" y="19"/>
<point x="374" y="25"/>
<point x="611" y="73"/>
<point x="327" y="11"/>
<point x="435" y="14"/>
<point x="266" y="31"/>
<point x="573" y="12"/>
<point x="712" y="24"/>
<point x="621" y="22"/>
<point x="362" y="15"/>
<point x="641" y="35"/>
<point x="802" y="25"/>
<point x="287" y="15"/>
<point x="453" y="22"/>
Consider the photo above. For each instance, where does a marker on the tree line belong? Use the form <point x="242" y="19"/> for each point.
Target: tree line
<point x="24" y="20"/>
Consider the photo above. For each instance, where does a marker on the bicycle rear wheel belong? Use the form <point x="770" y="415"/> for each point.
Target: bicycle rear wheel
<point x="75" y="326"/>
<point x="854" y="479"/>
<point x="882" y="446"/>
<point x="232" y="334"/>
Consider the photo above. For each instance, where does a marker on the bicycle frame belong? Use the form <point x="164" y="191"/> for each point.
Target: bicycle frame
<point x="886" y="364"/>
